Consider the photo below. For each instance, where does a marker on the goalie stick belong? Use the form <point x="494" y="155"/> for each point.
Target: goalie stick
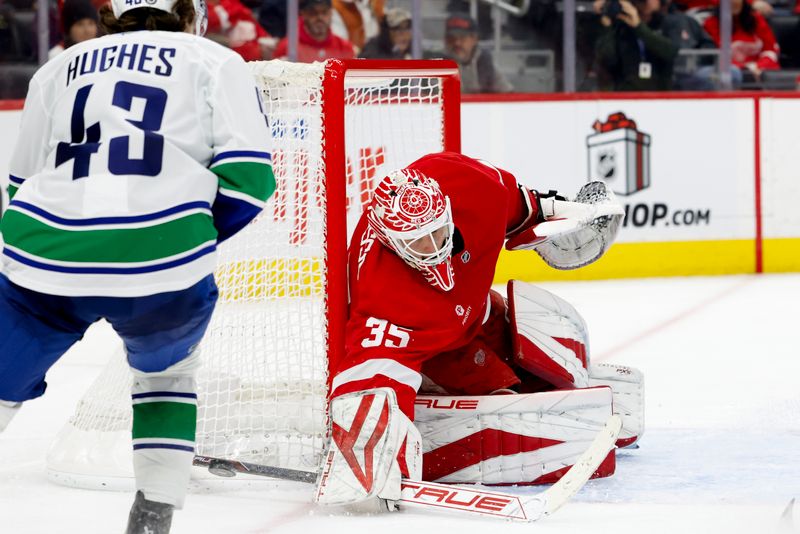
<point x="430" y="495"/>
<point x="229" y="468"/>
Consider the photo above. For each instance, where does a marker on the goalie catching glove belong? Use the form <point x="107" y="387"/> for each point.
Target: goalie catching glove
<point x="568" y="234"/>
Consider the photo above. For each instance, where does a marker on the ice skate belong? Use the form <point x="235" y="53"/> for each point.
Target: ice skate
<point x="149" y="517"/>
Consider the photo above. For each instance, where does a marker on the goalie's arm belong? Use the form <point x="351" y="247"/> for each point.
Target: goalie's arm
<point x="524" y="208"/>
<point x="566" y="234"/>
<point x="533" y="216"/>
<point x="548" y="214"/>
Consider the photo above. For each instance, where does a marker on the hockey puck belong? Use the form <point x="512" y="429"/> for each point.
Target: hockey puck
<point x="220" y="469"/>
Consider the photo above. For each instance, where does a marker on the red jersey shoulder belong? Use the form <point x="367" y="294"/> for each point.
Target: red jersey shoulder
<point x="478" y="197"/>
<point x="452" y="168"/>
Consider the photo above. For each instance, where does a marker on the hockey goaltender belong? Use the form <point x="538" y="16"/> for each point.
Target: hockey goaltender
<point x="445" y="380"/>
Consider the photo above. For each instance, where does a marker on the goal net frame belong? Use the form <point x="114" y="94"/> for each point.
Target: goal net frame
<point x="333" y="109"/>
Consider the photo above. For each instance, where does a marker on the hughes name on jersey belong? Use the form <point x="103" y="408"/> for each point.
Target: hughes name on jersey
<point x="138" y="153"/>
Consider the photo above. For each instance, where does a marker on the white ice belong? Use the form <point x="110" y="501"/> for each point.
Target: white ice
<point x="721" y="453"/>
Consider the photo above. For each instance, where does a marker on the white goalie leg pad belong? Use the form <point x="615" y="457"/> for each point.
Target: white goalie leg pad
<point x="162" y="462"/>
<point x="8" y="410"/>
<point x="373" y="447"/>
<point x="549" y="336"/>
<point x="627" y="385"/>
<point x="510" y="439"/>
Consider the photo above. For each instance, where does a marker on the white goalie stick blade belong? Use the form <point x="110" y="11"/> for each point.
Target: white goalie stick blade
<point x="460" y="499"/>
<point x="559" y="493"/>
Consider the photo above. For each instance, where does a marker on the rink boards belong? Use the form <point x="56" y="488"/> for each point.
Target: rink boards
<point x="709" y="181"/>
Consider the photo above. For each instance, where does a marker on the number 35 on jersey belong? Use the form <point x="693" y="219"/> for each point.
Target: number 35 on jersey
<point x="383" y="333"/>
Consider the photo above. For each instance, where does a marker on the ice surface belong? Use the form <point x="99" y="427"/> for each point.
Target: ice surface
<point x="721" y="452"/>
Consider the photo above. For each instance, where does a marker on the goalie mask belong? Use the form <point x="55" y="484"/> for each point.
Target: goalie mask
<point x="119" y="7"/>
<point x="412" y="217"/>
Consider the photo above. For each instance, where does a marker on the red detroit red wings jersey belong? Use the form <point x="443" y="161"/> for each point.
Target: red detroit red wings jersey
<point x="395" y="314"/>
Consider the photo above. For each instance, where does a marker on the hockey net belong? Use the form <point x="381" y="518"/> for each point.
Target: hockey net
<point x="337" y="127"/>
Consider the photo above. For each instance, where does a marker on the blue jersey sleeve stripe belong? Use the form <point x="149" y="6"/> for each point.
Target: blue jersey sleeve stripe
<point x="109" y="270"/>
<point x="164" y="394"/>
<point x="110" y="220"/>
<point x="171" y="446"/>
<point x="241" y="154"/>
<point x="231" y="215"/>
<point x="16" y="179"/>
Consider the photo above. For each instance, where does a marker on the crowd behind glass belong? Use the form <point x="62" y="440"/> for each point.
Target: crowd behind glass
<point x="501" y="46"/>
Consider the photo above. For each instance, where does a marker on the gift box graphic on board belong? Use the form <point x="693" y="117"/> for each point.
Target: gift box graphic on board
<point x="619" y="154"/>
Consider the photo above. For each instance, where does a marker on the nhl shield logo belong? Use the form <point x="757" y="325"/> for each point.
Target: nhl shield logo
<point x="606" y="164"/>
<point x="619" y="154"/>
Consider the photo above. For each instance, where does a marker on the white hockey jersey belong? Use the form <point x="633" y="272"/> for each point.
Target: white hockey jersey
<point x="137" y="153"/>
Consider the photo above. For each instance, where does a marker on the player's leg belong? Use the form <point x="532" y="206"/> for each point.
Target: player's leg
<point x="161" y="333"/>
<point x="7" y="412"/>
<point x="35" y="331"/>
<point x="164" y="422"/>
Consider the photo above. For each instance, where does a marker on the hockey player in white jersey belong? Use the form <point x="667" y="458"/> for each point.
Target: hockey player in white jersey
<point x="138" y="153"/>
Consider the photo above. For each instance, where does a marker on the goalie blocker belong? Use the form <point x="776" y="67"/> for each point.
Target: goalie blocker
<point x="373" y="446"/>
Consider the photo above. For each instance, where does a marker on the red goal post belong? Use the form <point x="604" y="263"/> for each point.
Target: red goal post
<point x="337" y="127"/>
<point x="334" y="105"/>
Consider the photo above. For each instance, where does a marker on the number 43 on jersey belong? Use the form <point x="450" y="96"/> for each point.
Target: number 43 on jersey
<point x="86" y="141"/>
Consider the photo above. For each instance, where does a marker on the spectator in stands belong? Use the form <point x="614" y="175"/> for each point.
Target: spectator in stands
<point x="702" y="8"/>
<point x="78" y="22"/>
<point x="358" y="21"/>
<point x="479" y="74"/>
<point x="394" y="39"/>
<point x="272" y="17"/>
<point x="316" y="40"/>
<point x="691" y="73"/>
<point x="10" y="45"/>
<point x="484" y="17"/>
<point x="232" y="24"/>
<point x="632" y="49"/>
<point x="753" y="45"/>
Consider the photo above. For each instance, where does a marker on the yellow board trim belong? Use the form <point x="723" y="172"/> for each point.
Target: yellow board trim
<point x="302" y="277"/>
<point x="267" y="279"/>
<point x="782" y="255"/>
<point x="639" y="260"/>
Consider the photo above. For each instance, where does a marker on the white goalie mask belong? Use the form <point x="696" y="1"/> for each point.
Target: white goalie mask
<point x="412" y="217"/>
<point x="200" y="9"/>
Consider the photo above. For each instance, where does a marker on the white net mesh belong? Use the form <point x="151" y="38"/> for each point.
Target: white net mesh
<point x="262" y="388"/>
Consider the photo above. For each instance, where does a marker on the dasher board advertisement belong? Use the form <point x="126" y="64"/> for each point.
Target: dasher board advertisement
<point x="683" y="169"/>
